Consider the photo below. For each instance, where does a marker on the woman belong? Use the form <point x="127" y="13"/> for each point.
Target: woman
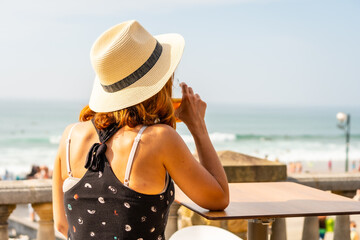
<point x="126" y="187"/>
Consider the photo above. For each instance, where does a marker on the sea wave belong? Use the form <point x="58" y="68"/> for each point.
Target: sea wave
<point x="30" y="140"/>
<point x="216" y="137"/>
<point x="231" y="137"/>
<point x="55" y="139"/>
<point x="304" y="137"/>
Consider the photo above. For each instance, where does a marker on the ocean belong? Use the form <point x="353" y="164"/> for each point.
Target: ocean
<point x="30" y="133"/>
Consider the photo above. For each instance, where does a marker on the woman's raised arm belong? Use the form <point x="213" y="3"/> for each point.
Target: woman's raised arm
<point x="205" y="182"/>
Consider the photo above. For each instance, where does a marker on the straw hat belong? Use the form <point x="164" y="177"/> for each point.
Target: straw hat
<point x="131" y="65"/>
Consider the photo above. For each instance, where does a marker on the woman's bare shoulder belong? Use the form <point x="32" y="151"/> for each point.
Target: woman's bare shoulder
<point x="77" y="128"/>
<point x="162" y="132"/>
<point x="165" y="140"/>
<point x="65" y="134"/>
<point x="73" y="126"/>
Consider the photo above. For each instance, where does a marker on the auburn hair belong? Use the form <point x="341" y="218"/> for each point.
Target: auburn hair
<point x="157" y="109"/>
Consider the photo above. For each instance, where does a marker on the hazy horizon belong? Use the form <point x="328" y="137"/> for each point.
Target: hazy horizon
<point x="84" y="102"/>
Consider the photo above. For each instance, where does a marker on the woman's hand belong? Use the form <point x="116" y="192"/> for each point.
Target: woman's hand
<point x="205" y="182"/>
<point x="192" y="110"/>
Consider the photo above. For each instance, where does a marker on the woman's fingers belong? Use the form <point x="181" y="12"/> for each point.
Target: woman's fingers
<point x="184" y="88"/>
<point x="191" y="91"/>
<point x="192" y="106"/>
<point x="188" y="92"/>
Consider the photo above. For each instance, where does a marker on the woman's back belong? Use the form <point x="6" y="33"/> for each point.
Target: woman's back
<point x="148" y="172"/>
<point x="99" y="205"/>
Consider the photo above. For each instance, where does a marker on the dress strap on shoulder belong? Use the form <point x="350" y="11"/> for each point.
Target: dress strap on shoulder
<point x="68" y="140"/>
<point x="131" y="156"/>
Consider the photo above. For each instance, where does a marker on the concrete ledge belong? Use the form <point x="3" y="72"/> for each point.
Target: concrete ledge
<point x="244" y="168"/>
<point x="344" y="184"/>
<point x="25" y="191"/>
<point x="328" y="181"/>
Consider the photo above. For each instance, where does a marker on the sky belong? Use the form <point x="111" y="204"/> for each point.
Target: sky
<point x="261" y="52"/>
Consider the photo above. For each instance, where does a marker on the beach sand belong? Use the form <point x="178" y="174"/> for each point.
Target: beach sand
<point x="321" y="167"/>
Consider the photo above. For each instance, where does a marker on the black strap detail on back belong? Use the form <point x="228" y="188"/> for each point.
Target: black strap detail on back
<point x="95" y="160"/>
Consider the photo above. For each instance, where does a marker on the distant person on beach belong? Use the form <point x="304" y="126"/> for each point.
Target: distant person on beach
<point x="8" y="175"/>
<point x="330" y="165"/>
<point x="114" y="171"/>
<point x="39" y="172"/>
<point x="44" y="173"/>
<point x="354" y="166"/>
<point x="299" y="167"/>
<point x="291" y="167"/>
<point x="33" y="172"/>
<point x="353" y="233"/>
<point x="330" y="224"/>
<point x="322" y="227"/>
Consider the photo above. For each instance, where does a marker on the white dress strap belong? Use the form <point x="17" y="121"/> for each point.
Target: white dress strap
<point x="68" y="140"/>
<point x="131" y="156"/>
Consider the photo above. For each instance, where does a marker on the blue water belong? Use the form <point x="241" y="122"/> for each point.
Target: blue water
<point x="30" y="132"/>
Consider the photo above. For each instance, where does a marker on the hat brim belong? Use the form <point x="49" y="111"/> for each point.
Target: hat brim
<point x="147" y="86"/>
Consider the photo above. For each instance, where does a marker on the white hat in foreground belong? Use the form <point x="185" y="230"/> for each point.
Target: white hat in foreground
<point x="131" y="65"/>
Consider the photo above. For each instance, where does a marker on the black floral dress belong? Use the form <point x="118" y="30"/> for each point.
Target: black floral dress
<point x="99" y="206"/>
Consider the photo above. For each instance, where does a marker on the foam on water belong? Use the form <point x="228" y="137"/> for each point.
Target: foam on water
<point x="215" y="137"/>
<point x="19" y="161"/>
<point x="55" y="139"/>
<point x="286" y="149"/>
